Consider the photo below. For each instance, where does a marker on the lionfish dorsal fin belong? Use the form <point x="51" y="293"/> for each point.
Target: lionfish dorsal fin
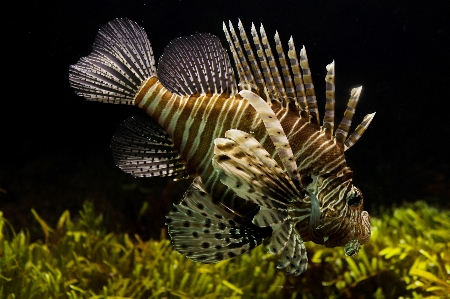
<point x="328" y="118"/>
<point x="246" y="78"/>
<point x="261" y="75"/>
<point x="360" y="129"/>
<point x="344" y="126"/>
<point x="142" y="148"/>
<point x="196" y="64"/>
<point x="309" y="88"/>
<point x="341" y="133"/>
<point x="301" y="103"/>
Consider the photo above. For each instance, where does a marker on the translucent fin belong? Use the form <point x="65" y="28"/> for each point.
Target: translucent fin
<point x="344" y="126"/>
<point x="280" y="237"/>
<point x="208" y="232"/>
<point x="267" y="217"/>
<point x="142" y="148"/>
<point x="328" y="119"/>
<point x="121" y="59"/>
<point x="255" y="177"/>
<point x="294" y="257"/>
<point x="309" y="88"/>
<point x="276" y="133"/>
<point x="196" y="64"/>
<point x="359" y="131"/>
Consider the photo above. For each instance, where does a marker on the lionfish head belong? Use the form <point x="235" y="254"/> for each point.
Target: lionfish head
<point x="350" y="227"/>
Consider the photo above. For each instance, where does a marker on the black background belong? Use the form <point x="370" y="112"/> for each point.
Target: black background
<point x="54" y="146"/>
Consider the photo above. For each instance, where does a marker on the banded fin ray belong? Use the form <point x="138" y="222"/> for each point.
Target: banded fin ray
<point x="209" y="232"/>
<point x="141" y="147"/>
<point x="196" y="64"/>
<point x="276" y="133"/>
<point x="121" y="59"/>
<point x="255" y="177"/>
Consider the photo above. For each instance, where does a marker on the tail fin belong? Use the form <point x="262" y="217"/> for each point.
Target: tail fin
<point x="121" y="59"/>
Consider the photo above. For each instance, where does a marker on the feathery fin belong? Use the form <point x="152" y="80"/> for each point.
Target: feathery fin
<point x="276" y="133"/>
<point x="121" y="59"/>
<point x="207" y="232"/>
<point x="196" y="64"/>
<point x="142" y="148"/>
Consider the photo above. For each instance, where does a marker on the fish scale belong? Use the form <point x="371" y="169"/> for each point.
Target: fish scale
<point x="252" y="181"/>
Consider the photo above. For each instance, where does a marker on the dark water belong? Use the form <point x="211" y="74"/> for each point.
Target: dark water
<point x="54" y="148"/>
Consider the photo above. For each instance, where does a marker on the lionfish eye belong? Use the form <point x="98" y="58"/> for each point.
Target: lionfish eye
<point x="354" y="199"/>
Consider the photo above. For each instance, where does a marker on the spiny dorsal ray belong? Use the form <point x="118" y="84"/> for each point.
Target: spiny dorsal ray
<point x="344" y="126"/>
<point x="360" y="129"/>
<point x="328" y="119"/>
<point x="298" y="80"/>
<point x="309" y="88"/>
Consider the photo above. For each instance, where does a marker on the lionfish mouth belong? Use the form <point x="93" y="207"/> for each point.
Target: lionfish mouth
<point x="352" y="248"/>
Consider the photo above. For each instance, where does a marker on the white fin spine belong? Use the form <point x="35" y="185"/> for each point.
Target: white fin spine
<point x="280" y="91"/>
<point x="309" y="88"/>
<point x="289" y="86"/>
<point x="236" y="58"/>
<point x="360" y="129"/>
<point x="251" y="57"/>
<point x="270" y="85"/>
<point x="328" y="119"/>
<point x="249" y="80"/>
<point x="298" y="80"/>
<point x="344" y="126"/>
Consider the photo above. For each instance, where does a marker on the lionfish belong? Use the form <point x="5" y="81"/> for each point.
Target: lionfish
<point x="261" y="163"/>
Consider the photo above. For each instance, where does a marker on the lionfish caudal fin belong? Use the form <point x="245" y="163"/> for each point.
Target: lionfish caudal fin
<point x="265" y="80"/>
<point x="209" y="232"/>
<point x="121" y="59"/>
<point x="248" y="169"/>
<point x="142" y="148"/>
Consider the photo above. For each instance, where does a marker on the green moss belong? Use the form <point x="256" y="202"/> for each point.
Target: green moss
<point x="409" y="256"/>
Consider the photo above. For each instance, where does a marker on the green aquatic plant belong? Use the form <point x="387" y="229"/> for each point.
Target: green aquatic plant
<point x="408" y="256"/>
<point x="81" y="260"/>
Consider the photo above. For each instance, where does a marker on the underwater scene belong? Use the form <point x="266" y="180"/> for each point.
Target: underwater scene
<point x="210" y="149"/>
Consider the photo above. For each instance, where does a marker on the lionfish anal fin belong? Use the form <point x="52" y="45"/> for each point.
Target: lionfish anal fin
<point x="141" y="147"/>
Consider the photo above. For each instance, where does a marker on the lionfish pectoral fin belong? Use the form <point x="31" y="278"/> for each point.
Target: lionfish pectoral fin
<point x="252" y="174"/>
<point x="207" y="232"/>
<point x="196" y="64"/>
<point x="277" y="135"/>
<point x="141" y="147"/>
<point x="121" y="59"/>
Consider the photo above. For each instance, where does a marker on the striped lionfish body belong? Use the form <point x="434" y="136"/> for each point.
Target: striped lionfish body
<point x="262" y="164"/>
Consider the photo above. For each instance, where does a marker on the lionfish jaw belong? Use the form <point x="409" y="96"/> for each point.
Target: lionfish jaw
<point x="352" y="248"/>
